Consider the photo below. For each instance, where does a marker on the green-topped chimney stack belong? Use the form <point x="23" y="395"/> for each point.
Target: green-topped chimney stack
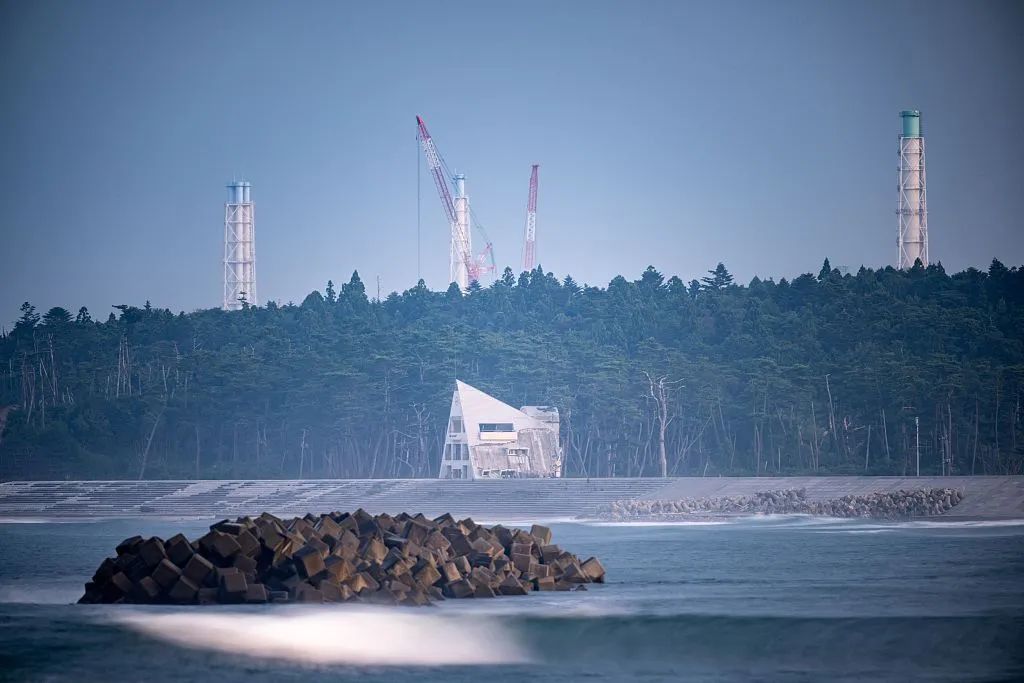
<point x="913" y="202"/>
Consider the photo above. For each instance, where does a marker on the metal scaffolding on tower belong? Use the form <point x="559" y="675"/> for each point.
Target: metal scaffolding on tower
<point x="913" y="197"/>
<point x="530" y="243"/>
<point x="239" y="248"/>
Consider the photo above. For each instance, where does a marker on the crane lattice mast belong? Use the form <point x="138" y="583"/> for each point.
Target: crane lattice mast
<point x="530" y="246"/>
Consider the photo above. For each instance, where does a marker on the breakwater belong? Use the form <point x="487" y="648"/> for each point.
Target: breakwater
<point x="339" y="557"/>
<point x="879" y="505"/>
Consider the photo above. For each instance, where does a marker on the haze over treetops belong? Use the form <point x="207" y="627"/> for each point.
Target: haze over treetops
<point x="823" y="373"/>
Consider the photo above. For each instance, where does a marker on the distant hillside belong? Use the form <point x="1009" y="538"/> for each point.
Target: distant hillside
<point x="825" y="374"/>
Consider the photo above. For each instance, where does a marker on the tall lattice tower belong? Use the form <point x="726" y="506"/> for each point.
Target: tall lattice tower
<point x="460" y="270"/>
<point x="239" y="248"/>
<point x="913" y="198"/>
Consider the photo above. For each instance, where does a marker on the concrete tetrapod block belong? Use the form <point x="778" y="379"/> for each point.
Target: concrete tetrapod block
<point x="118" y="587"/>
<point x="245" y="564"/>
<point x="146" y="591"/>
<point x="522" y="562"/>
<point x="593" y="569"/>
<point x="219" y="545"/>
<point x="459" y="543"/>
<point x="183" y="592"/>
<point x="152" y="551"/>
<point x="166" y="574"/>
<point x="462" y="564"/>
<point x="328" y="529"/>
<point x="308" y="561"/>
<point x="549" y="553"/>
<point x="356" y="583"/>
<point x="483" y="591"/>
<point x="226" y="526"/>
<point x="427" y="576"/>
<point x="542" y="533"/>
<point x="256" y="593"/>
<point x="248" y="544"/>
<point x="450" y="572"/>
<point x="511" y="586"/>
<point x="338" y="569"/>
<point x="129" y="545"/>
<point x="219" y="573"/>
<point x="179" y="550"/>
<point x="373" y="550"/>
<point x="574" y="574"/>
<point x="521" y="549"/>
<point x="306" y="593"/>
<point x="106" y="569"/>
<point x="460" y="589"/>
<point x="233" y="587"/>
<point x="272" y="537"/>
<point x="331" y="592"/>
<point x="544" y="583"/>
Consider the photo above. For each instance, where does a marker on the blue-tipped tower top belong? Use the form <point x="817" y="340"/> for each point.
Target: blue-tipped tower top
<point x="238" y="191"/>
<point x="911" y="123"/>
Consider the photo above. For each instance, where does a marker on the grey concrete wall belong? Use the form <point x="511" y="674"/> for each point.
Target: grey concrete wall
<point x="986" y="497"/>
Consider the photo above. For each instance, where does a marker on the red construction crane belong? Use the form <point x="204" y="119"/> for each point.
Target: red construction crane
<point x="530" y="247"/>
<point x="460" y="232"/>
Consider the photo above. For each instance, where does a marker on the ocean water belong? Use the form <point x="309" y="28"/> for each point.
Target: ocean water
<point x="766" y="598"/>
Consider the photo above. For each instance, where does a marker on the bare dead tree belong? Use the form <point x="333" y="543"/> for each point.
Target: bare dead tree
<point x="661" y="389"/>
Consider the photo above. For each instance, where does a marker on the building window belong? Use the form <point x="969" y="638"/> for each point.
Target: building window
<point x="522" y="452"/>
<point x="456" y="426"/>
<point x="497" y="427"/>
<point x="447" y="451"/>
<point x="465" y="471"/>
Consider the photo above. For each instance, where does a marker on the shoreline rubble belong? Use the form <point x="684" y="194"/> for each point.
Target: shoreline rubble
<point x="879" y="505"/>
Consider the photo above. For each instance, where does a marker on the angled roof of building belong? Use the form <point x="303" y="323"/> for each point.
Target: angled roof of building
<point x="477" y="407"/>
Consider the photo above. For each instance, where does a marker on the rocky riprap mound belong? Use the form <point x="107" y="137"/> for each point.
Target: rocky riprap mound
<point x="339" y="557"/>
<point x="881" y="505"/>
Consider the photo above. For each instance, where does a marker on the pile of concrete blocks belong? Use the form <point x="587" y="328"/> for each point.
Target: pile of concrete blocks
<point x="878" y="505"/>
<point x="339" y="557"/>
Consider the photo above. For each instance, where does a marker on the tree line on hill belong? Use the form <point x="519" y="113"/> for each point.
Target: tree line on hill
<point x="837" y="373"/>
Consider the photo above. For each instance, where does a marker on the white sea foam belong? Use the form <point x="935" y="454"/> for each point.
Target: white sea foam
<point x="37" y="593"/>
<point x="51" y="520"/>
<point x="526" y="522"/>
<point x="960" y="524"/>
<point x="346" y="635"/>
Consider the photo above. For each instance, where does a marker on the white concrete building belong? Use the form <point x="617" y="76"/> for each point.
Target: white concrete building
<point x="488" y="439"/>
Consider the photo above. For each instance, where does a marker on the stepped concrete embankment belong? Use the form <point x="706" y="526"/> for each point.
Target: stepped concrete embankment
<point x="533" y="499"/>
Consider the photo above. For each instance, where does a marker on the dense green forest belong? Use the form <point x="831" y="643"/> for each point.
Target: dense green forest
<point x="834" y="373"/>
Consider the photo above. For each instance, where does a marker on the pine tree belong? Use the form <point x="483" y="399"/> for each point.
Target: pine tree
<point x="28" y="320"/>
<point x="717" y="279"/>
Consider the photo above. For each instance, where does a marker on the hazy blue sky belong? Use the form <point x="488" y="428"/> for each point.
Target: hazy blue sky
<point x="679" y="134"/>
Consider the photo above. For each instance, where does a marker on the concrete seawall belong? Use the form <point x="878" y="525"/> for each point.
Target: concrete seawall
<point x="985" y="497"/>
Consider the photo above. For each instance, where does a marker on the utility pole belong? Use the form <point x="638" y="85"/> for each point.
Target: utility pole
<point x="917" y="445"/>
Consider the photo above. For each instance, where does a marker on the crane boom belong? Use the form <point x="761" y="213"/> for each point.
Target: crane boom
<point x="459" y="228"/>
<point x="434" y="164"/>
<point x="530" y="246"/>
